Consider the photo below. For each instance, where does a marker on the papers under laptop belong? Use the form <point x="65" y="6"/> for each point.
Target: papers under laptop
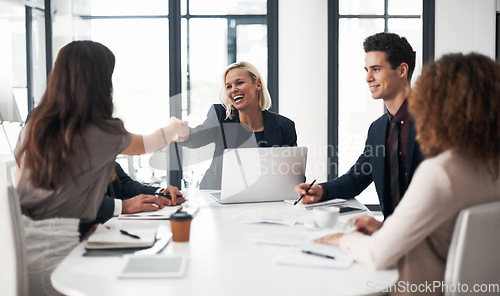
<point x="261" y="174"/>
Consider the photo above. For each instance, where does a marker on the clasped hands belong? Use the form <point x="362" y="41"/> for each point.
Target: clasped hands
<point x="364" y="224"/>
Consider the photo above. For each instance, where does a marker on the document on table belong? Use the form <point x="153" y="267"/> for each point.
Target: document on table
<point x="322" y="258"/>
<point x="336" y="201"/>
<point x="286" y="240"/>
<point x="161" y="214"/>
<point x="276" y="217"/>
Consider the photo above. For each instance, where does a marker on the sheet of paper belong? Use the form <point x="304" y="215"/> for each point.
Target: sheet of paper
<point x="298" y="258"/>
<point x="287" y="240"/>
<point x="161" y="214"/>
<point x="277" y="217"/>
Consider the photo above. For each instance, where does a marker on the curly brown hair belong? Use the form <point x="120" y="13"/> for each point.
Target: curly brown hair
<point x="456" y="105"/>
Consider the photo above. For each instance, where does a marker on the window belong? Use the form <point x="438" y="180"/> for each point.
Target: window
<point x="23" y="72"/>
<point x="358" y="19"/>
<point x="216" y="34"/>
<point x="142" y="37"/>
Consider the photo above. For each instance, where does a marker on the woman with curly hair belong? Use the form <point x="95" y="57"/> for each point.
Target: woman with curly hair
<point x="456" y="107"/>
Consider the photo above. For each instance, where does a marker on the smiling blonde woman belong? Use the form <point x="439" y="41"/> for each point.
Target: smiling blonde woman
<point x="242" y="120"/>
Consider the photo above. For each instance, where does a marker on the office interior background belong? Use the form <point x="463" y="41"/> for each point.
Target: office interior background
<point x="170" y="56"/>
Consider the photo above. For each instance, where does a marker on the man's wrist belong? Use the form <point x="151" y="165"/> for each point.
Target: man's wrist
<point x="324" y="192"/>
<point x="158" y="191"/>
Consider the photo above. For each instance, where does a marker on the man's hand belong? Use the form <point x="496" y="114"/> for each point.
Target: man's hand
<point x="144" y="202"/>
<point x="140" y="203"/>
<point x="366" y="224"/>
<point x="174" y="196"/>
<point x="313" y="194"/>
<point x="180" y="130"/>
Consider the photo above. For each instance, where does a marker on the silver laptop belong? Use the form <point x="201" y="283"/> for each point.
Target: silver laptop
<point x="261" y="174"/>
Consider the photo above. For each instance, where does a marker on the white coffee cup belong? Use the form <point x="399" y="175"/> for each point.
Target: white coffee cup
<point x="325" y="216"/>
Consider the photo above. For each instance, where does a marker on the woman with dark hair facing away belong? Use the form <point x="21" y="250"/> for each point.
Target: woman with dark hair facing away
<point x="242" y="120"/>
<point x="67" y="150"/>
<point x="456" y="109"/>
<point x="66" y="155"/>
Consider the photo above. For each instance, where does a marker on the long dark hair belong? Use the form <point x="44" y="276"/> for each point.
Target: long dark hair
<point x="79" y="93"/>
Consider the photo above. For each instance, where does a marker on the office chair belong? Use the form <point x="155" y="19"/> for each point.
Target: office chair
<point x="13" y="269"/>
<point x="473" y="256"/>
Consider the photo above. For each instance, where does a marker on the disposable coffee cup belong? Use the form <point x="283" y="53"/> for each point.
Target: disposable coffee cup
<point x="181" y="226"/>
<point x="325" y="217"/>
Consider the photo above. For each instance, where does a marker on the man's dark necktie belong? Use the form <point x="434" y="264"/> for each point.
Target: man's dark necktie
<point x="394" y="162"/>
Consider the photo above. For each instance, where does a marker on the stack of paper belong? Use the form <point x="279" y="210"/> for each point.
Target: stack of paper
<point x="331" y="202"/>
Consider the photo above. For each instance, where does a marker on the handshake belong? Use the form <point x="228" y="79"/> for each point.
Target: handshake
<point x="180" y="130"/>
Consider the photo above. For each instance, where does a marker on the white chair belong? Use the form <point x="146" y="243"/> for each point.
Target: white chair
<point x="13" y="269"/>
<point x="474" y="256"/>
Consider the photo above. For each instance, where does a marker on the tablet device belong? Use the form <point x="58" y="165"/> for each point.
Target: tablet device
<point x="152" y="266"/>
<point x="344" y="210"/>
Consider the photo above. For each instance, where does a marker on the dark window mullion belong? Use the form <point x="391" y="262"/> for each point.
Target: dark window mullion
<point x="175" y="89"/>
<point x="29" y="57"/>
<point x="333" y="93"/>
<point x="428" y="27"/>
<point x="231" y="41"/>
<point x="273" y="53"/>
<point x="48" y="36"/>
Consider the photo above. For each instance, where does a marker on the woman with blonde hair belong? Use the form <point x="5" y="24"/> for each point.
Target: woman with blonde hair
<point x="242" y="120"/>
<point x="456" y="108"/>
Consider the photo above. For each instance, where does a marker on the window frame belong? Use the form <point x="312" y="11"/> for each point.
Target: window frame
<point x="428" y="21"/>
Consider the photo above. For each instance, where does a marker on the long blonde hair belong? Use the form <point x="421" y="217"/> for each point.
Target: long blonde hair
<point x="264" y="97"/>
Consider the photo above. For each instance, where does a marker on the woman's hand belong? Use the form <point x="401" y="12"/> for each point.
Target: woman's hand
<point x="180" y="130"/>
<point x="148" y="144"/>
<point x="331" y="239"/>
<point x="366" y="224"/>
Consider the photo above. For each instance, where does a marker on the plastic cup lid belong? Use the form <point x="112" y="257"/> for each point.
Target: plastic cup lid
<point x="180" y="216"/>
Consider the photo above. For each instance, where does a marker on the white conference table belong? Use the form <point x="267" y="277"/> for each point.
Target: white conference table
<point x="223" y="259"/>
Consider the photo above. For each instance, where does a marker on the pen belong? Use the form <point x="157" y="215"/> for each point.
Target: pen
<point x="317" y="254"/>
<point x="129" y="234"/>
<point x="300" y="197"/>
<point x="167" y="195"/>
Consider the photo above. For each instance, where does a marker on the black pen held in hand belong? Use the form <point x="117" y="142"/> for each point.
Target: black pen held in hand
<point x="307" y="189"/>
<point x="167" y="195"/>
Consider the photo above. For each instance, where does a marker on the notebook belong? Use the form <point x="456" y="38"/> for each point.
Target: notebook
<point x="113" y="238"/>
<point x="261" y="174"/>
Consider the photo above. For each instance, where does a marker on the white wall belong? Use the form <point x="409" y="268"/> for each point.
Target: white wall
<point x="465" y="26"/>
<point x="303" y="73"/>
